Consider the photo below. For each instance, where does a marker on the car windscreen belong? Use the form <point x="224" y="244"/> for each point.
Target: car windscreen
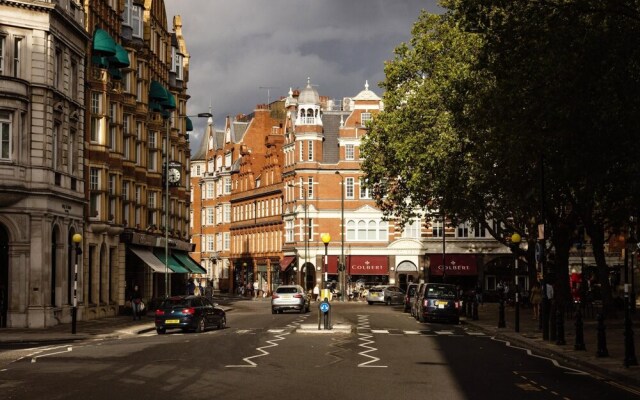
<point x="441" y="292"/>
<point x="286" y="290"/>
<point x="376" y="289"/>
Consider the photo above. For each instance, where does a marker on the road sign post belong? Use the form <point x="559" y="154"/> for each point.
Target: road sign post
<point x="324" y="314"/>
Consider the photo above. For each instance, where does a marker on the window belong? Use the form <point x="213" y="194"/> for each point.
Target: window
<point x="479" y="231"/>
<point x="210" y="190"/>
<point x="210" y="243"/>
<point x="227" y="185"/>
<point x="126" y="13"/>
<point x="412" y="229"/>
<point x="17" y="55"/>
<point x="364" y="191"/>
<point x="73" y="137"/>
<point x="301" y="151"/>
<point x="95" y="196"/>
<point x="226" y="245"/>
<point x="367" y="230"/>
<point x="227" y="212"/>
<point x="5" y="135"/>
<point x="349" y="188"/>
<point x="177" y="63"/>
<point x="55" y="151"/>
<point x="310" y="187"/>
<point x="153" y="152"/>
<point x="349" y="152"/>
<point x="365" y="117"/>
<point x="219" y="241"/>
<point x="310" y="150"/>
<point x="227" y="160"/>
<point x="463" y="230"/>
<point x="197" y="170"/>
<point x="2" y="47"/>
<point x="136" y="21"/>
<point x="57" y="69"/>
<point x="96" y="116"/>
<point x="73" y="80"/>
<point x="436" y="228"/>
<point x="289" y="231"/>
<point x="211" y="216"/>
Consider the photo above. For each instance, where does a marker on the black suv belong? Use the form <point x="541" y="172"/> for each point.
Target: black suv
<point x="438" y="301"/>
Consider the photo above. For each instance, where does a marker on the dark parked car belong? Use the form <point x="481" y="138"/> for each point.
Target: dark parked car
<point x="189" y="313"/>
<point x="439" y="301"/>
<point x="410" y="296"/>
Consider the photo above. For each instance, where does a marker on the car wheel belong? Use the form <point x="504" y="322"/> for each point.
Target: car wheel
<point x="223" y="323"/>
<point x="273" y="311"/>
<point x="387" y="301"/>
<point x="421" y="318"/>
<point x="370" y="302"/>
<point x="200" y="327"/>
<point x="161" y="331"/>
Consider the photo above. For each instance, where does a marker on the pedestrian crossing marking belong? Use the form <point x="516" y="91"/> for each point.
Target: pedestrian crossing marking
<point x="275" y="330"/>
<point x="379" y="331"/>
<point x="444" y="332"/>
<point x="411" y="332"/>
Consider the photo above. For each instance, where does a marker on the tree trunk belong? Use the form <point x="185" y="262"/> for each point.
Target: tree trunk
<point x="596" y="233"/>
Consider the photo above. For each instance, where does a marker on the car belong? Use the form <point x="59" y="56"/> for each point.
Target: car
<point x="438" y="301"/>
<point x="385" y="294"/>
<point x="410" y="296"/>
<point x="189" y="313"/>
<point x="290" y="297"/>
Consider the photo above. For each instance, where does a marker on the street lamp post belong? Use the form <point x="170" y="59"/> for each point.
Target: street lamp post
<point x="306" y="232"/>
<point x="341" y="266"/>
<point x="444" y="250"/>
<point x="515" y="243"/>
<point x="326" y="238"/>
<point x="77" y="239"/>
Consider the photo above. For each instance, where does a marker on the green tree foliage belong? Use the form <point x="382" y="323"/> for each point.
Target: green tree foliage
<point x="493" y="101"/>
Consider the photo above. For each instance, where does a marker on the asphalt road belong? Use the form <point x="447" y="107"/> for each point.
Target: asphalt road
<point x="260" y="356"/>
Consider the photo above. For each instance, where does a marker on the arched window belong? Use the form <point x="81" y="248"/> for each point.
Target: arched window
<point x="351" y="230"/>
<point x="362" y="230"/>
<point x="371" y="230"/>
<point x="383" y="231"/>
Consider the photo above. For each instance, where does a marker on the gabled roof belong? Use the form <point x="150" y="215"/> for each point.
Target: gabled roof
<point x="366" y="94"/>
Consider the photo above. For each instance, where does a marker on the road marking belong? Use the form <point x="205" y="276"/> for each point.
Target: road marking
<point x="275" y="330"/>
<point x="444" y="332"/>
<point x="251" y="364"/>
<point x="363" y="322"/>
<point x="530" y="353"/>
<point x="33" y="360"/>
<point x="379" y="331"/>
<point x="412" y="332"/>
<point x="476" y="333"/>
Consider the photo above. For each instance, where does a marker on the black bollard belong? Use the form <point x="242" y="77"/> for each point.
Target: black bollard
<point x="579" y="332"/>
<point x="475" y="310"/>
<point x="553" y="322"/>
<point x="602" y="338"/>
<point x="560" y="326"/>
<point x="629" y="347"/>
<point x="501" y="322"/>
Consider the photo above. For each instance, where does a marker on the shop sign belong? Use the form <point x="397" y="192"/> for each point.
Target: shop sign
<point x="456" y="265"/>
<point x="368" y="265"/>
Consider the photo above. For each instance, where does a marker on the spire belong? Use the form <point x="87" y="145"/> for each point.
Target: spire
<point x="366" y="85"/>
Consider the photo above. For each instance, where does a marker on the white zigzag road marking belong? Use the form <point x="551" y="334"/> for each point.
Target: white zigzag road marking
<point x="363" y="322"/>
<point x="251" y="364"/>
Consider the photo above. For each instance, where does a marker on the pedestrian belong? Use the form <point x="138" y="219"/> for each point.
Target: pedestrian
<point x="136" y="303"/>
<point x="191" y="287"/>
<point x="479" y="293"/>
<point x="256" y="288"/>
<point x="316" y="292"/>
<point x="536" y="298"/>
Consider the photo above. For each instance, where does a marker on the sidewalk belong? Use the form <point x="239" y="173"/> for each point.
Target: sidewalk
<point x="530" y="337"/>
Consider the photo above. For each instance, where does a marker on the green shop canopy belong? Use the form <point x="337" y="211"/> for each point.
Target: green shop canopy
<point x="103" y="44"/>
<point x="157" y="92"/>
<point x="189" y="262"/>
<point x="174" y="264"/>
<point x="170" y="103"/>
<point x="121" y="59"/>
<point x="189" y="125"/>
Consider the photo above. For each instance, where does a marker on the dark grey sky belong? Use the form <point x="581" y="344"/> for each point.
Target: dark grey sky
<point x="239" y="46"/>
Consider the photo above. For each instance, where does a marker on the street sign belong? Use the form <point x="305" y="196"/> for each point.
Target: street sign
<point x="324" y="307"/>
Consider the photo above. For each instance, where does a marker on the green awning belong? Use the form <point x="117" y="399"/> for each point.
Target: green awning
<point x="174" y="264"/>
<point x="170" y="103"/>
<point x="189" y="125"/>
<point x="153" y="106"/>
<point x="157" y="92"/>
<point x="189" y="263"/>
<point x="121" y="59"/>
<point x="103" y="44"/>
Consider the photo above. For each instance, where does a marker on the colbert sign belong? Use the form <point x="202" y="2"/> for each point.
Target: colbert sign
<point x="368" y="265"/>
<point x="457" y="264"/>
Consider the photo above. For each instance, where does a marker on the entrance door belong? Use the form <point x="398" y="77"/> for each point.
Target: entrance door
<point x="4" y="276"/>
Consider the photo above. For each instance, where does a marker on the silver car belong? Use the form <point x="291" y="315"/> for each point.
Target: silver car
<point x="386" y="294"/>
<point x="289" y="297"/>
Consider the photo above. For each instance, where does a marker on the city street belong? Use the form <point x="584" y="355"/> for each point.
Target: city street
<point x="259" y="355"/>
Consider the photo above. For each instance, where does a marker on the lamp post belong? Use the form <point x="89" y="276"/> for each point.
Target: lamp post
<point x="77" y="239"/>
<point x="341" y="266"/>
<point x="515" y="244"/>
<point x="444" y="250"/>
<point x="629" y="346"/>
<point x="326" y="238"/>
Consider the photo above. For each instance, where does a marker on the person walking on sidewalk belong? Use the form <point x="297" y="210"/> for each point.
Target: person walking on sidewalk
<point x="536" y="298"/>
<point x="316" y="292"/>
<point x="136" y="303"/>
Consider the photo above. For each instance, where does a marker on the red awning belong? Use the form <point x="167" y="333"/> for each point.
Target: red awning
<point x="368" y="265"/>
<point x="286" y="262"/>
<point x="457" y="264"/>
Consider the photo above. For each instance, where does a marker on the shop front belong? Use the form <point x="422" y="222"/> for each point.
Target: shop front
<point x="367" y="271"/>
<point x="458" y="269"/>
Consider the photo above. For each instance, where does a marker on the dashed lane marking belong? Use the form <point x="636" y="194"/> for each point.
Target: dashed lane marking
<point x="249" y="360"/>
